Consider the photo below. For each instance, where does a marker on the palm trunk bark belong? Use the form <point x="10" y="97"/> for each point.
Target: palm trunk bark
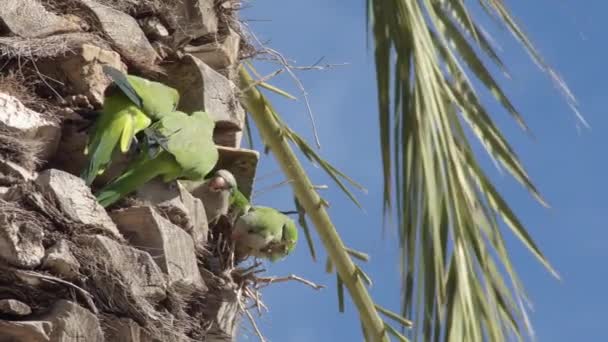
<point x="153" y="270"/>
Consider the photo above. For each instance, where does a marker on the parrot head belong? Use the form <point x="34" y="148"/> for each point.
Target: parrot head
<point x="222" y="180"/>
<point x="290" y="236"/>
<point x="275" y="251"/>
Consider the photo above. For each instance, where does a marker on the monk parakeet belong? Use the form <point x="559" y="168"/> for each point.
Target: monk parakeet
<point x="264" y="232"/>
<point x="178" y="146"/>
<point x="131" y="103"/>
<point x="220" y="195"/>
<point x="215" y="193"/>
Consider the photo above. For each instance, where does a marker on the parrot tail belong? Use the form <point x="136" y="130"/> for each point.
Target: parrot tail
<point x="101" y="150"/>
<point x="136" y="176"/>
<point x="100" y="156"/>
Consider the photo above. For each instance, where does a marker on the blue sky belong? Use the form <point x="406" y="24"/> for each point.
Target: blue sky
<point x="567" y="163"/>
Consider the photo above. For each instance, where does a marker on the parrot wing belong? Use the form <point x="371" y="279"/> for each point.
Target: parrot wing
<point x="121" y="80"/>
<point x="278" y="230"/>
<point x="178" y="145"/>
<point x="265" y="221"/>
<point x="117" y="125"/>
<point x="139" y="172"/>
<point x="282" y="229"/>
<point x="190" y="141"/>
<point x="154" y="98"/>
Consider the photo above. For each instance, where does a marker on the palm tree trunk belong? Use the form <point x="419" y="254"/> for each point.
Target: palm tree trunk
<point x="146" y="269"/>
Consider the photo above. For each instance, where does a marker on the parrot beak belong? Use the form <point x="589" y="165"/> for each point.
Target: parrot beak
<point x="218" y="184"/>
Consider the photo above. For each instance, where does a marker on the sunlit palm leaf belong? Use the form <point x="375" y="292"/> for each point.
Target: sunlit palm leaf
<point x="336" y="175"/>
<point x="458" y="280"/>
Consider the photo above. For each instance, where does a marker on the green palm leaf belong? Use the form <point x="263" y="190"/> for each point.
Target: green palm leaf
<point x="458" y="281"/>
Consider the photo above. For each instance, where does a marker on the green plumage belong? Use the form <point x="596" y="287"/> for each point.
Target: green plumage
<point x="154" y="98"/>
<point x="190" y="141"/>
<point x="131" y="104"/>
<point x="265" y="233"/>
<point x="140" y="172"/>
<point x="181" y="146"/>
<point x="238" y="203"/>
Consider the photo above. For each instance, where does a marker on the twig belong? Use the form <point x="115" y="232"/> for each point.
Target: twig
<point x="289" y="70"/>
<point x="271" y="187"/>
<point x="302" y="90"/>
<point x="259" y="302"/>
<point x="316" y="66"/>
<point x="231" y="257"/>
<point x="42" y="78"/>
<point x="255" y="296"/>
<point x="253" y="324"/>
<point x="270" y="280"/>
<point x="263" y="79"/>
<point x="268" y="174"/>
<point x="86" y="295"/>
<point x="246" y="272"/>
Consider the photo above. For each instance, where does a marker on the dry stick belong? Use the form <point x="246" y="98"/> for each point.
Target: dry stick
<point x="302" y="90"/>
<point x="255" y="296"/>
<point x="270" y="187"/>
<point x="259" y="302"/>
<point x="244" y="272"/>
<point x="267" y="175"/>
<point x="253" y="324"/>
<point x="318" y="67"/>
<point x="313" y="205"/>
<point x="295" y="78"/>
<point x="264" y="79"/>
<point x="87" y="296"/>
<point x="42" y="78"/>
<point x="314" y="66"/>
<point x="270" y="280"/>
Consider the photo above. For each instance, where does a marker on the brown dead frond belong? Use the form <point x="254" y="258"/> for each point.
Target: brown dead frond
<point x="38" y="296"/>
<point x="228" y="17"/>
<point x="24" y="63"/>
<point x="17" y="85"/>
<point x="111" y="290"/>
<point x="30" y="276"/>
<point x="135" y="8"/>
<point x="18" y="149"/>
<point x="48" y="47"/>
<point x="20" y="78"/>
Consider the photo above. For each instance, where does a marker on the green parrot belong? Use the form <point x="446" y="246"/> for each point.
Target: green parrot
<point x="264" y="232"/>
<point x="220" y="195"/>
<point x="178" y="146"/>
<point x="130" y="105"/>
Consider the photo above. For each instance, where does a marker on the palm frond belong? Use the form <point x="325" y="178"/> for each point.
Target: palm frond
<point x="277" y="136"/>
<point x="458" y="281"/>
